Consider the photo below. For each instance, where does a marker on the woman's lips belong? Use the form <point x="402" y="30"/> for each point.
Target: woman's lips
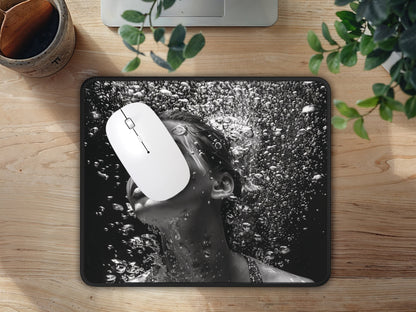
<point x="137" y="194"/>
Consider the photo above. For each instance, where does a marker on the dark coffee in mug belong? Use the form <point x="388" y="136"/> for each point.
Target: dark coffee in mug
<point x="41" y="39"/>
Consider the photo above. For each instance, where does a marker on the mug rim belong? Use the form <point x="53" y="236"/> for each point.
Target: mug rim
<point x="62" y="9"/>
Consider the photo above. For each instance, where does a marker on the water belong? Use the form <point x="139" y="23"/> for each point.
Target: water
<point x="279" y="152"/>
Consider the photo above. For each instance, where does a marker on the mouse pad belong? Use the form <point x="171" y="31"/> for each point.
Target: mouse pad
<point x="256" y="211"/>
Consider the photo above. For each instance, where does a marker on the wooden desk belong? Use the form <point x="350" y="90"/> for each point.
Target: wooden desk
<point x="374" y="183"/>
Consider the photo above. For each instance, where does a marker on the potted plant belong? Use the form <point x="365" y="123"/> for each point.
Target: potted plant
<point x="178" y="51"/>
<point x="379" y="30"/>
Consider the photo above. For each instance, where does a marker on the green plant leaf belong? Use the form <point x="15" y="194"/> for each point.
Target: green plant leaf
<point x="314" y="42"/>
<point x="412" y="77"/>
<point x="385" y="112"/>
<point x="194" y="45"/>
<point x="390" y="93"/>
<point x="131" y="48"/>
<point x="411" y="11"/>
<point x="342" y="31"/>
<point x="354" y="6"/>
<point x="133" y="16"/>
<point x="374" y="11"/>
<point x="159" y="61"/>
<point x="327" y="35"/>
<point x="396" y="69"/>
<point x="380" y="89"/>
<point x="367" y="44"/>
<point x="359" y="128"/>
<point x="339" y="122"/>
<point x="177" y="37"/>
<point x="393" y="104"/>
<point x="142" y="37"/>
<point x="315" y="63"/>
<point x="410" y="107"/>
<point x="348" y="19"/>
<point x="132" y="65"/>
<point x="369" y="103"/>
<point x="342" y="2"/>
<point x="405" y="84"/>
<point x="348" y="54"/>
<point x="168" y="3"/>
<point x="376" y="58"/>
<point x="407" y="42"/>
<point x="345" y="110"/>
<point x="129" y="34"/>
<point x="175" y="58"/>
<point x="382" y="33"/>
<point x="159" y="9"/>
<point x="159" y="35"/>
<point x="389" y="44"/>
<point x="333" y="61"/>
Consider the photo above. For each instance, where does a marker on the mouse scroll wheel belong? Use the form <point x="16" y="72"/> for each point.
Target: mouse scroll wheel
<point x="129" y="123"/>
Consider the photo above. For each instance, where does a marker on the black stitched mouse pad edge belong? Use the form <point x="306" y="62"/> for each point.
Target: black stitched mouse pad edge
<point x="287" y="179"/>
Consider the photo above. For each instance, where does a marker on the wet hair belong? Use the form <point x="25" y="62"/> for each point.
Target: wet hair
<point x="206" y="143"/>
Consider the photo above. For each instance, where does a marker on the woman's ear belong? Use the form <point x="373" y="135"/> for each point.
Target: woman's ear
<point x="223" y="186"/>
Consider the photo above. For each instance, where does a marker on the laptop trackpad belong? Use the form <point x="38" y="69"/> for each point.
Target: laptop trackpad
<point x="196" y="8"/>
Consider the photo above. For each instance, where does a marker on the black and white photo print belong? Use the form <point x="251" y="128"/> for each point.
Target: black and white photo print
<point x="256" y="208"/>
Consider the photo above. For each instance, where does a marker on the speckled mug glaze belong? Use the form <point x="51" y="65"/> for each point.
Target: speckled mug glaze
<point x="55" y="56"/>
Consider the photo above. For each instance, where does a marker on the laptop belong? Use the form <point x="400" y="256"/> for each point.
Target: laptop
<point x="197" y="12"/>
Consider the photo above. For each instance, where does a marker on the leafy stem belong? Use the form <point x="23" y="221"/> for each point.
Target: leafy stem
<point x="377" y="34"/>
<point x="178" y="50"/>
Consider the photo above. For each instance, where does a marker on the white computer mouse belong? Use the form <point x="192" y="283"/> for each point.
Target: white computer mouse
<point x="148" y="151"/>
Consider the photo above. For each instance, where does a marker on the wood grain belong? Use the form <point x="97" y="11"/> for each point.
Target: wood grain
<point x="374" y="183"/>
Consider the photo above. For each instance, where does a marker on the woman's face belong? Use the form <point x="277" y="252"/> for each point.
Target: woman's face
<point x="196" y="194"/>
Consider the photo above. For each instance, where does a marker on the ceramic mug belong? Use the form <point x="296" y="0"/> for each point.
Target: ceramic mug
<point x="55" y="56"/>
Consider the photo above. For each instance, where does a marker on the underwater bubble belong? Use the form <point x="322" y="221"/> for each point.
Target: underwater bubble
<point x="109" y="197"/>
<point x="301" y="131"/>
<point x="118" y="207"/>
<point x="218" y="145"/>
<point x="96" y="164"/>
<point x="138" y="94"/>
<point x="257" y="237"/>
<point x="95" y="115"/>
<point x="110" y="278"/>
<point x="284" y="250"/>
<point x="130" y="209"/>
<point x="316" y="177"/>
<point x="127" y="228"/>
<point x="165" y="92"/>
<point x="246" y="226"/>
<point x="120" y="268"/>
<point x="308" y="109"/>
<point x="103" y="175"/>
<point x="246" y="209"/>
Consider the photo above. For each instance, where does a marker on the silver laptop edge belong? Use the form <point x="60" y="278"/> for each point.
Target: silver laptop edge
<point x="198" y="13"/>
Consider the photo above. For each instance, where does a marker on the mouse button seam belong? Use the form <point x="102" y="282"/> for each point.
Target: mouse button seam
<point x="124" y="114"/>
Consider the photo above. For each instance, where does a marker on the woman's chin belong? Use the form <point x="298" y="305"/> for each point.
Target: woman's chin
<point x="149" y="211"/>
